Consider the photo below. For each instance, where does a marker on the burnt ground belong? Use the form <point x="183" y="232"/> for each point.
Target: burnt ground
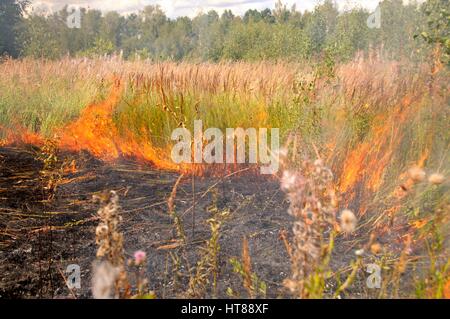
<point x="39" y="237"/>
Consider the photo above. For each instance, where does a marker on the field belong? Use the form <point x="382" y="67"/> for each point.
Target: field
<point x="363" y="184"/>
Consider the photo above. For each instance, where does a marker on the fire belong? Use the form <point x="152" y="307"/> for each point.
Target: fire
<point x="20" y="135"/>
<point x="447" y="289"/>
<point x="366" y="164"/>
<point x="354" y="167"/>
<point x="95" y="132"/>
<point x="368" y="161"/>
<point x="423" y="158"/>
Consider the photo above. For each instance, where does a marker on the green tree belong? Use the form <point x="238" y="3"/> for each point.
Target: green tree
<point x="11" y="17"/>
<point x="281" y="33"/>
<point x="42" y="37"/>
<point x="111" y="28"/>
<point x="267" y="16"/>
<point x="436" y="30"/>
<point x="321" y="25"/>
<point x="351" y="34"/>
<point x="209" y="36"/>
<point x="252" y="15"/>
<point x="281" y="13"/>
<point x="131" y="38"/>
<point x="153" y="20"/>
<point x="100" y="47"/>
<point x="398" y="26"/>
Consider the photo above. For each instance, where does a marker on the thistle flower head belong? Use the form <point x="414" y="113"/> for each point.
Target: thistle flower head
<point x="359" y="252"/>
<point x="101" y="230"/>
<point x="319" y="162"/>
<point x="436" y="179"/>
<point x="417" y="174"/>
<point x="288" y="180"/>
<point x="348" y="221"/>
<point x="140" y="257"/>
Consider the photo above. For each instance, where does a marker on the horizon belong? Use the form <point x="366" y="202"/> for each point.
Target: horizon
<point x="180" y="8"/>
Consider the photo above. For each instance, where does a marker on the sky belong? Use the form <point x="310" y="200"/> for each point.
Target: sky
<point x="175" y="8"/>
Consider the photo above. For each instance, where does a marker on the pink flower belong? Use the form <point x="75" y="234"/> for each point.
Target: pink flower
<point x="140" y="257"/>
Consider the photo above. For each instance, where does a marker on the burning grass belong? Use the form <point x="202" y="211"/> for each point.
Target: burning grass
<point x="379" y="129"/>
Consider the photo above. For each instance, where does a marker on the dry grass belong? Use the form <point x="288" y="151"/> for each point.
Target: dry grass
<point x="369" y="121"/>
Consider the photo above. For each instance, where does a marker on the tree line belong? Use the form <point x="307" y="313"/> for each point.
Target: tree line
<point x="281" y="33"/>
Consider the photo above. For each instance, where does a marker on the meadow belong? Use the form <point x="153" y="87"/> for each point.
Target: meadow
<point x="365" y="165"/>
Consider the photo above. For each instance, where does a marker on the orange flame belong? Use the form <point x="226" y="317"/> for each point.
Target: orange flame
<point x="366" y="165"/>
<point x="94" y="131"/>
<point x="20" y="135"/>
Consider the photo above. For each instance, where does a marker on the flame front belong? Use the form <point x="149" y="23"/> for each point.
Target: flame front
<point x="365" y="166"/>
<point x="96" y="133"/>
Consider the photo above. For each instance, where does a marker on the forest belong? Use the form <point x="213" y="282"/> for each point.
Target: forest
<point x="282" y="33"/>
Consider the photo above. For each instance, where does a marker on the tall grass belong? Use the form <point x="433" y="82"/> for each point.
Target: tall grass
<point x="399" y="108"/>
<point x="370" y="120"/>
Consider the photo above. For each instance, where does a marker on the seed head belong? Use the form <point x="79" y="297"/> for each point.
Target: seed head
<point x="101" y="230"/>
<point x="348" y="221"/>
<point x="417" y="174"/>
<point x="288" y="180"/>
<point x="436" y="179"/>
